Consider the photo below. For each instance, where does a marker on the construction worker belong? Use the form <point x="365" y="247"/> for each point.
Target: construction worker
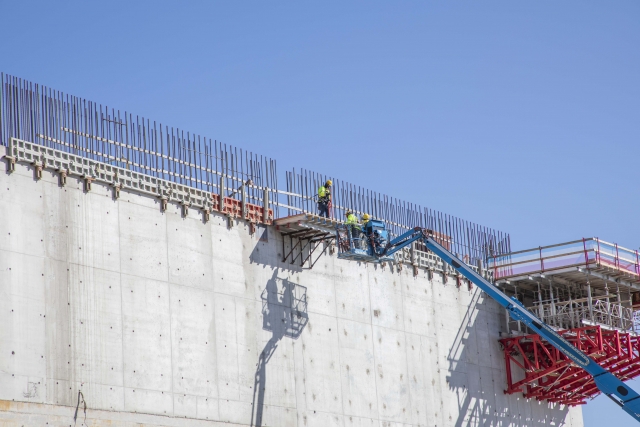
<point x="353" y="225"/>
<point x="324" y="199"/>
<point x="365" y="219"/>
<point x="364" y="233"/>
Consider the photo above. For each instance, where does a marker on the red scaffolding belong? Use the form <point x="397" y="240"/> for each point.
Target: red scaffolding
<point x="550" y="375"/>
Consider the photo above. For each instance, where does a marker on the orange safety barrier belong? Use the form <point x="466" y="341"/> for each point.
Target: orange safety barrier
<point x="233" y="207"/>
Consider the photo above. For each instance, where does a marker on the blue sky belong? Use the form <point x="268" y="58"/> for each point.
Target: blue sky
<point x="521" y="116"/>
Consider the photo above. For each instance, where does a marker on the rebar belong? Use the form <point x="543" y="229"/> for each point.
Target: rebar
<point x="40" y="115"/>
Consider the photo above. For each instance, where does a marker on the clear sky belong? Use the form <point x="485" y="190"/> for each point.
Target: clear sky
<point x="521" y="116"/>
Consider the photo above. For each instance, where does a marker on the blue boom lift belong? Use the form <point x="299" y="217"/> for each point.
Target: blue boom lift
<point x="364" y="245"/>
<point x="373" y="245"/>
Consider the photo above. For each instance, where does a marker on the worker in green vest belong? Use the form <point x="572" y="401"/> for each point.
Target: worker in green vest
<point x="352" y="220"/>
<point x="354" y="226"/>
<point x="324" y="199"/>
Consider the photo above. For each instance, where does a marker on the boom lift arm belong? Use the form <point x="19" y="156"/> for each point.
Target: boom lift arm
<point x="606" y="382"/>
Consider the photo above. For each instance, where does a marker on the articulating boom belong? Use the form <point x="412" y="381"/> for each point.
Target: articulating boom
<point x="606" y="382"/>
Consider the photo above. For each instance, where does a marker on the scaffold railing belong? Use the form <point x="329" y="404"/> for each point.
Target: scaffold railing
<point x="604" y="310"/>
<point x="568" y="285"/>
<point x="577" y="253"/>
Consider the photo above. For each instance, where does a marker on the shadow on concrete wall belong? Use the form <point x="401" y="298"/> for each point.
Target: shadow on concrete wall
<point x="268" y="251"/>
<point x="284" y="314"/>
<point x="477" y="405"/>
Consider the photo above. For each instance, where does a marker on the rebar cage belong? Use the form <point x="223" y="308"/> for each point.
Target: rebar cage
<point x="50" y="118"/>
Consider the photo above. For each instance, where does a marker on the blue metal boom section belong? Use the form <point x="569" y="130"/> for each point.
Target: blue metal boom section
<point x="606" y="382"/>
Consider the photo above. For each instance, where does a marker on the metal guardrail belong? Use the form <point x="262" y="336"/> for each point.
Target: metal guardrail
<point x="575" y="253"/>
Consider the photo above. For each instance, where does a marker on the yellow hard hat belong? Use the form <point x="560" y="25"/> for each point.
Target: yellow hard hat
<point x="329" y="183"/>
<point x="366" y="217"/>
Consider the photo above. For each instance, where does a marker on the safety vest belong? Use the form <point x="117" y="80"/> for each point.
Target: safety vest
<point x="352" y="220"/>
<point x="324" y="194"/>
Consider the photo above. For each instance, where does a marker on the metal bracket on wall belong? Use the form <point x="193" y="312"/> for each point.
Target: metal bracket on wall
<point x="303" y="245"/>
<point x="185" y="209"/>
<point x="87" y="183"/>
<point x="11" y="163"/>
<point x="37" y="170"/>
<point x="116" y="191"/>
<point x="62" y="174"/>
<point x="306" y="233"/>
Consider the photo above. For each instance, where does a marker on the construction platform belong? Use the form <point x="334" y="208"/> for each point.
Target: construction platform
<point x="587" y="281"/>
<point x="306" y="222"/>
<point x="589" y="291"/>
<point x="551" y="376"/>
<point x="602" y="261"/>
<point x="306" y="232"/>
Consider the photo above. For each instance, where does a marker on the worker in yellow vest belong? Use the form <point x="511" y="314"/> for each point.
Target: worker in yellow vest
<point x="354" y="226"/>
<point x="352" y="220"/>
<point x="324" y="199"/>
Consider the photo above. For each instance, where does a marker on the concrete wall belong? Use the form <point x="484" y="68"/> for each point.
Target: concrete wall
<point x="163" y="320"/>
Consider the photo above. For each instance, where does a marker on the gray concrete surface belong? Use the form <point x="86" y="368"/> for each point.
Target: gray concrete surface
<point x="167" y="321"/>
